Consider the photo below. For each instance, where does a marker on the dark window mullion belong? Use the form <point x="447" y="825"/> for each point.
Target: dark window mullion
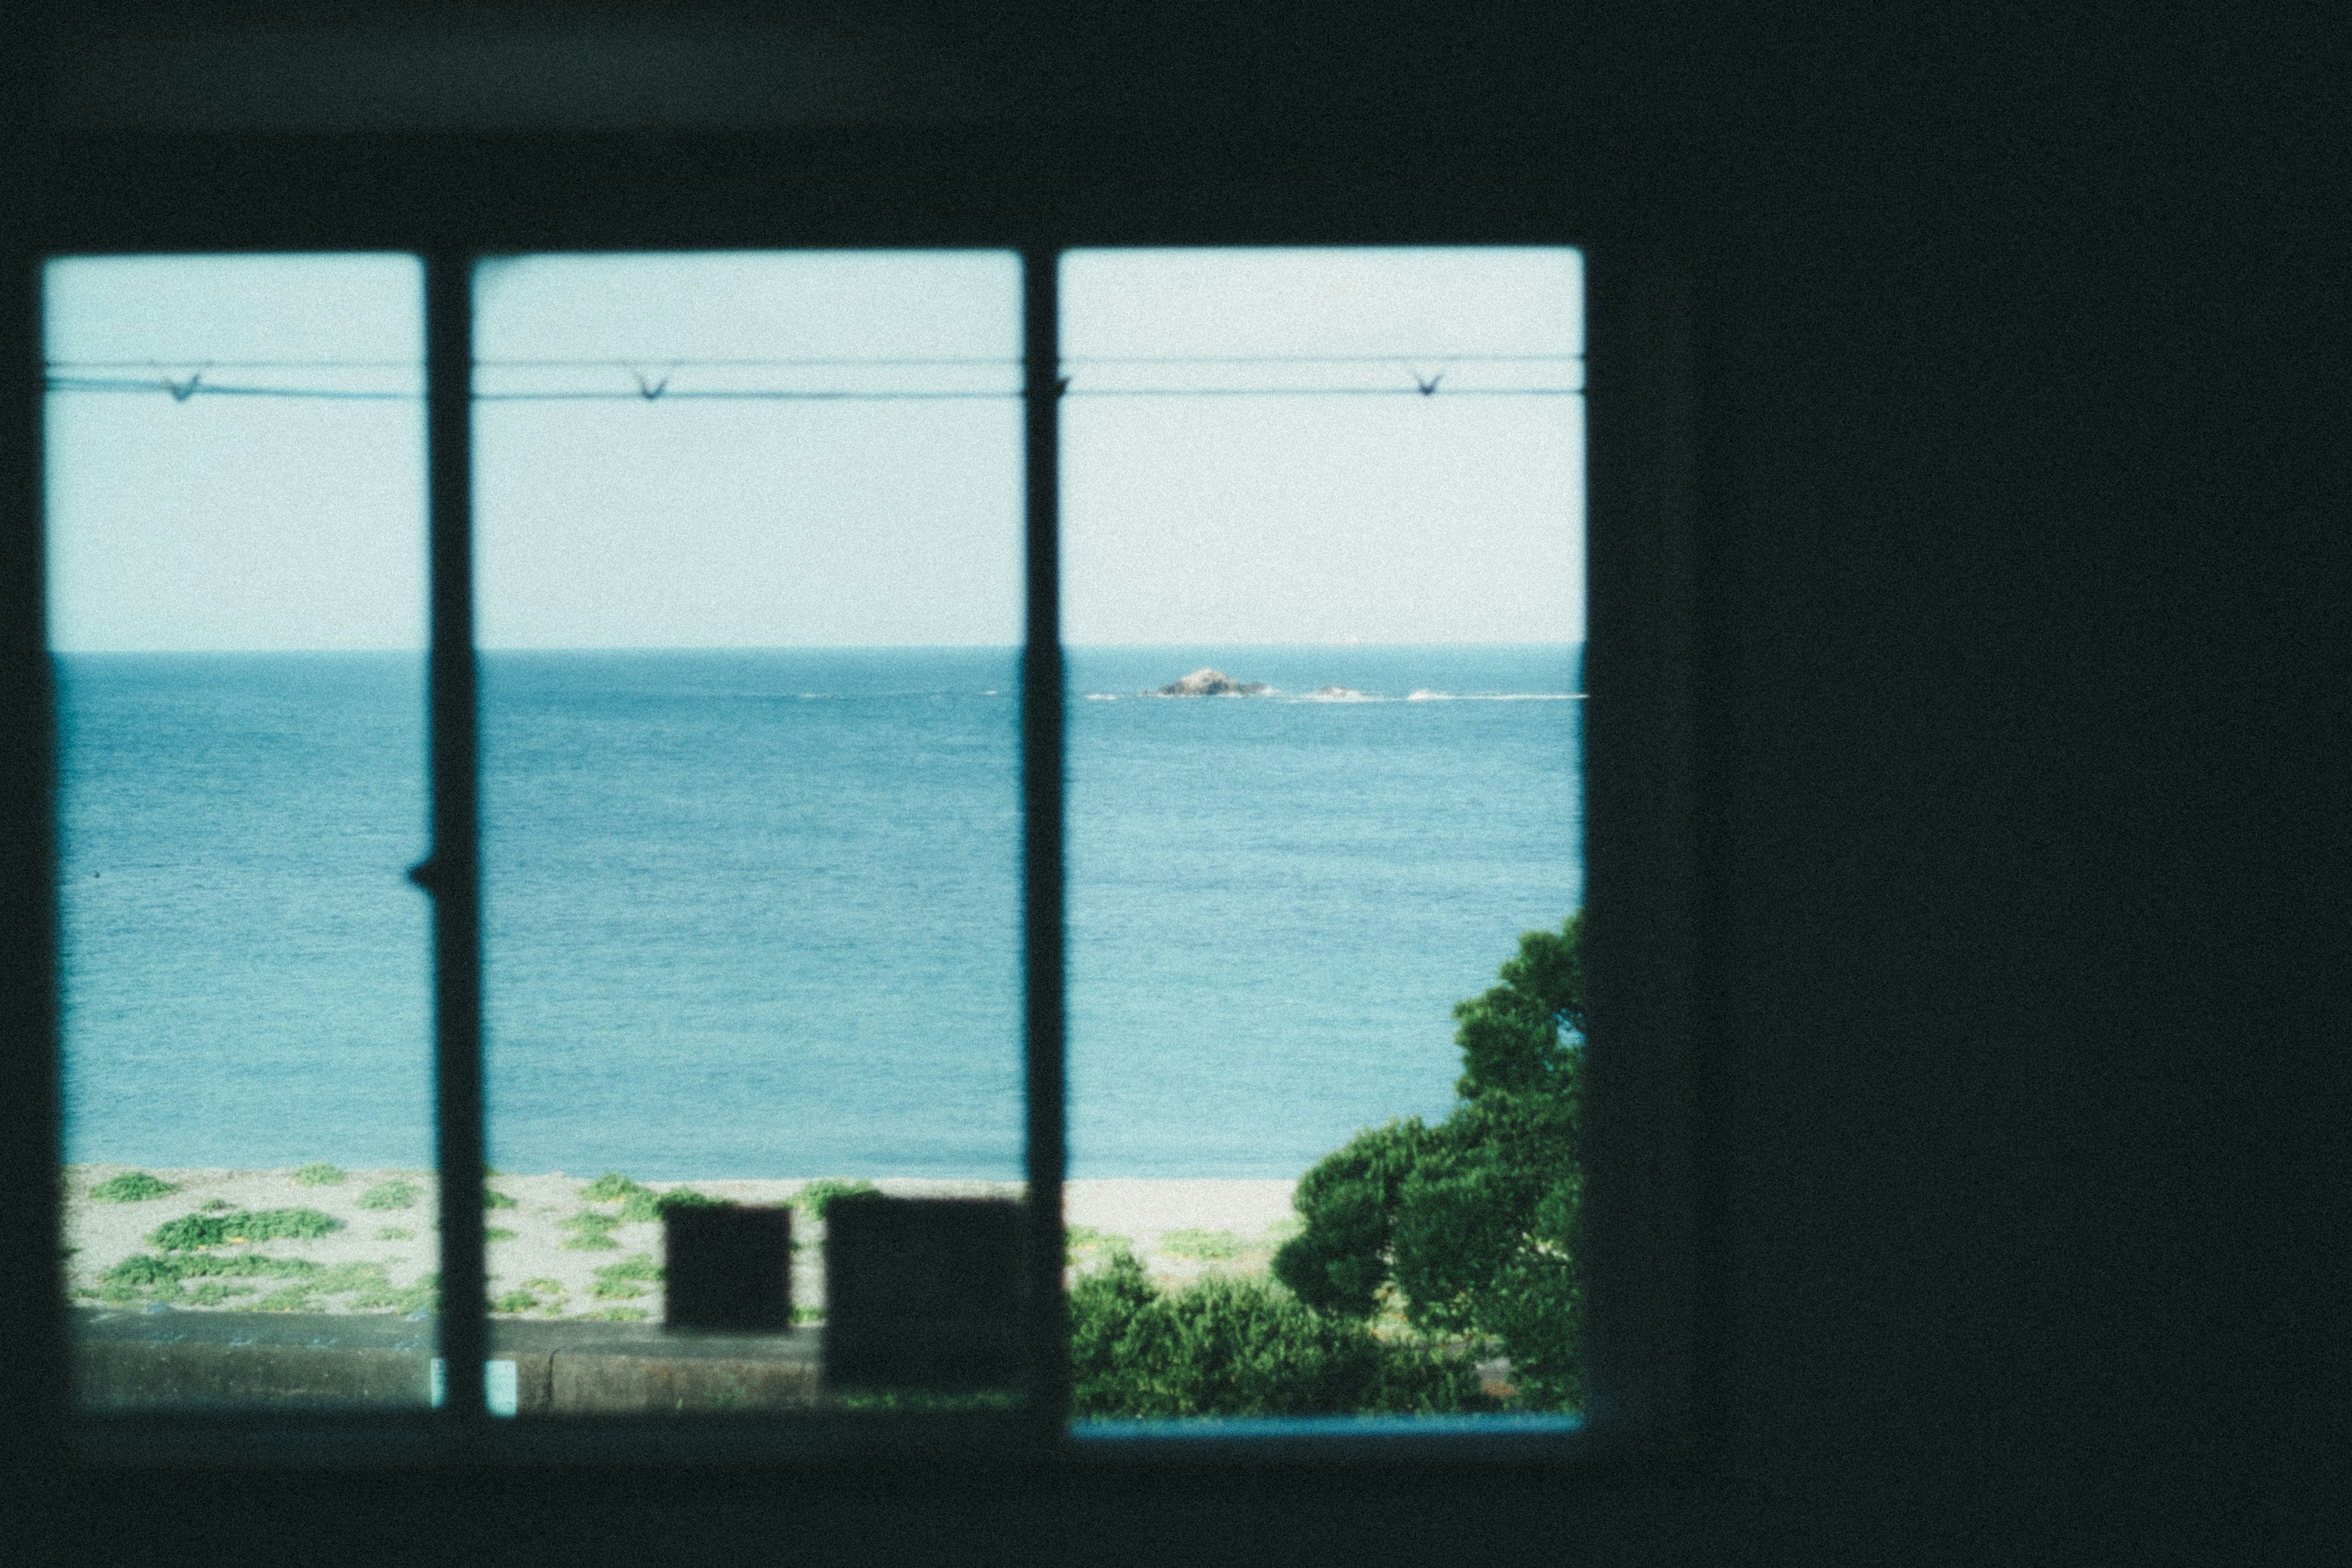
<point x="452" y="873"/>
<point x="1041" y="781"/>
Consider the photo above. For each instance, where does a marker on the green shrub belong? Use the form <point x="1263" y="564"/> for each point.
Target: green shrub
<point x="1228" y="1346"/>
<point x="515" y="1301"/>
<point x="130" y="1187"/>
<point x="1206" y="1246"/>
<point x="497" y="1233"/>
<point x="616" y="1315"/>
<point x="395" y="1233"/>
<point x="214" y="1205"/>
<point x="392" y="1194"/>
<point x="817" y="1198"/>
<point x="242" y="1225"/>
<point x="497" y="1200"/>
<point x="318" y="1174"/>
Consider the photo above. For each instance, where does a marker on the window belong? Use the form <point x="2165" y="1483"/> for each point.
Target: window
<point x="1632" y="784"/>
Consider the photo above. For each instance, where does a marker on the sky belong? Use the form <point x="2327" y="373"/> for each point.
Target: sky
<point x="1301" y="489"/>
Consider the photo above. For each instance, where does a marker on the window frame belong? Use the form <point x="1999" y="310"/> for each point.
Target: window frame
<point x="256" y="195"/>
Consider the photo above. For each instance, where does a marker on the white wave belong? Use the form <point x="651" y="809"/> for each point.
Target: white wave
<point x="1101" y="696"/>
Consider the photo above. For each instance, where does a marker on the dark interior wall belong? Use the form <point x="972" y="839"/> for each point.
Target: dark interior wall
<point x="2019" y="1108"/>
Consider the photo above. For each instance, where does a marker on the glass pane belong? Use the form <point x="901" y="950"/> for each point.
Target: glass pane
<point x="1324" y="589"/>
<point x="236" y="515"/>
<point x="750" y="550"/>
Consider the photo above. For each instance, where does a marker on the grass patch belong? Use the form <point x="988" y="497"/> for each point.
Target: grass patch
<point x="1203" y="1246"/>
<point x="144" y="1271"/>
<point x="212" y="1293"/>
<point x="1081" y="1239"/>
<point x="130" y="1187"/>
<point x="640" y="1205"/>
<point x="395" y="1233"/>
<point x="687" y="1198"/>
<point x="612" y="1187"/>
<point x="197" y="1230"/>
<point x="392" y="1194"/>
<point x="625" y="1279"/>
<point x="616" y="1315"/>
<point x="494" y="1199"/>
<point x="288" y="1298"/>
<point x="515" y="1301"/>
<point x="593" y="1232"/>
<point x="497" y="1233"/>
<point x="214" y="1205"/>
<point x="818" y="1197"/>
<point x="319" y="1173"/>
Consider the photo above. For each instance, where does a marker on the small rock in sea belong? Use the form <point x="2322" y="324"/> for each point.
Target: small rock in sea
<point x="1211" y="683"/>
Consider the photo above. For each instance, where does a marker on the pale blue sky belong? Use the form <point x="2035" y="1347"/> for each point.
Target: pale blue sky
<point x="1333" y="512"/>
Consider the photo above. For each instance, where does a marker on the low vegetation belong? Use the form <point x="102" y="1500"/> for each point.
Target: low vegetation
<point x="394" y="1194"/>
<point x="817" y="1198"/>
<point x="366" y="1287"/>
<point x="593" y="1232"/>
<point x="494" y="1199"/>
<point x="1203" y="1246"/>
<point x="319" y="1173"/>
<point x="197" y="1230"/>
<point x="625" y="1279"/>
<point x="132" y="1187"/>
<point x="641" y="1204"/>
<point x="395" y="1233"/>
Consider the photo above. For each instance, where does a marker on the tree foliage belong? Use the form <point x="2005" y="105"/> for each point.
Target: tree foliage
<point x="1471" y="1224"/>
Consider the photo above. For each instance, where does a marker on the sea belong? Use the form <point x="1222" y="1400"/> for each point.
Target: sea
<point x="757" y="913"/>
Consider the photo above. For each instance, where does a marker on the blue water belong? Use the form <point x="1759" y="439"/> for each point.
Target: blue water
<point x="758" y="913"/>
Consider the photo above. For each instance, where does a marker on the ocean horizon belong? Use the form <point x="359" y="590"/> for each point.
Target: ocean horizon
<point x="755" y="913"/>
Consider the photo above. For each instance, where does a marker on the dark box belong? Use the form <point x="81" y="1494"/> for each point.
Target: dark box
<point x="728" y="1269"/>
<point x="926" y="1293"/>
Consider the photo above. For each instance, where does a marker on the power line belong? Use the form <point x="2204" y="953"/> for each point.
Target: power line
<point x="182" y="394"/>
<point x="776" y="362"/>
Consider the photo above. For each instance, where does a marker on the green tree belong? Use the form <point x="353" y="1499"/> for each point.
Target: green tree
<point x="1472" y="1223"/>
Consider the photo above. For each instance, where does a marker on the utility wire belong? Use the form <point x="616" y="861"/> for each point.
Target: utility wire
<point x="641" y="361"/>
<point x="716" y="394"/>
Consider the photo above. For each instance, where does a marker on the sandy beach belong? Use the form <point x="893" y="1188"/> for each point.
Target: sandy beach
<point x="548" y="1261"/>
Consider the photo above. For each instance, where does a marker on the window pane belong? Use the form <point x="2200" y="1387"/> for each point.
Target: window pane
<point x="234" y="461"/>
<point x="1323" y="576"/>
<point x="749" y="540"/>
